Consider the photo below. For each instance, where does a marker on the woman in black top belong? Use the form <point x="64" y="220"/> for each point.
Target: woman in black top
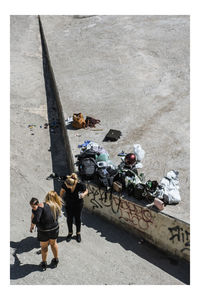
<point x="45" y="217"/>
<point x="73" y="192"/>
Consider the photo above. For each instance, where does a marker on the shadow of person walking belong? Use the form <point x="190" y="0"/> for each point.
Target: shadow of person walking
<point x="19" y="270"/>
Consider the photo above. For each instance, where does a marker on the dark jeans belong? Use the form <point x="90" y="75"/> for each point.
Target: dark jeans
<point x="74" y="212"/>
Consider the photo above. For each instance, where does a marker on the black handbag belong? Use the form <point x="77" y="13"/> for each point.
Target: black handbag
<point x="139" y="191"/>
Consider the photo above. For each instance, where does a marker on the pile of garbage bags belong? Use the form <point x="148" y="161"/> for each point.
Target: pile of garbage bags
<point x="94" y="164"/>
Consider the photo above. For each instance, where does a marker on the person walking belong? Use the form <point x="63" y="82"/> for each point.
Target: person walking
<point x="73" y="192"/>
<point x="45" y="218"/>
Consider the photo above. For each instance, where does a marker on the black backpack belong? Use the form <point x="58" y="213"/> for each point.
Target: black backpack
<point x="87" y="168"/>
<point x="106" y="176"/>
<point x="87" y="153"/>
<point x="139" y="191"/>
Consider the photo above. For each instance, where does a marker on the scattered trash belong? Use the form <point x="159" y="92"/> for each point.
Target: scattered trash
<point x="40" y="126"/>
<point x="139" y="152"/>
<point x="78" y="121"/>
<point x="69" y="120"/>
<point x="113" y="135"/>
<point x="84" y="145"/>
<point x="94" y="164"/>
<point x="122" y="154"/>
<point x="168" y="189"/>
<point x="57" y="177"/>
<point x="139" y="165"/>
<point x="31" y="127"/>
<point x="106" y="176"/>
<point x="78" y="135"/>
<point x="117" y="186"/>
<point x="91" y="122"/>
<point x="46" y="125"/>
<point x="51" y="176"/>
<point x="102" y="164"/>
<point x="97" y="129"/>
<point x="159" y="204"/>
<point x="89" y="145"/>
<point x="102" y="157"/>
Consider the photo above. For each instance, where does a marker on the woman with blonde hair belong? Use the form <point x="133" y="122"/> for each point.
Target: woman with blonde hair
<point x="45" y="217"/>
<point x="73" y="193"/>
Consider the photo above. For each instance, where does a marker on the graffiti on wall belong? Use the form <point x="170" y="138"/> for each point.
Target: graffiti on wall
<point x="126" y="210"/>
<point x="178" y="234"/>
<point x="136" y="215"/>
<point x="101" y="198"/>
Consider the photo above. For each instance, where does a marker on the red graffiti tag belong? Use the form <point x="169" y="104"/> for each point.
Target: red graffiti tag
<point x="134" y="214"/>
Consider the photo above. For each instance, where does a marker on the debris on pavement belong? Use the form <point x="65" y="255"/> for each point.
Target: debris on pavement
<point x="31" y="127"/>
<point x="78" y="121"/>
<point x="159" y="204"/>
<point x="91" y="122"/>
<point x="69" y="120"/>
<point x="168" y="189"/>
<point x="112" y="135"/>
<point x="94" y="164"/>
<point x="97" y="129"/>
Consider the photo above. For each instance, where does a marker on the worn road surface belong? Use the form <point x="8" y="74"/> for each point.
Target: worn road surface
<point x="107" y="254"/>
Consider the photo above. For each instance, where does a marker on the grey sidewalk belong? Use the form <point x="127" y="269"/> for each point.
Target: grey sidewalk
<point x="107" y="254"/>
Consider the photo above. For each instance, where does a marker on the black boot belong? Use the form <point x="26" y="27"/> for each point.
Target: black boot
<point x="69" y="237"/>
<point x="78" y="237"/>
<point x="54" y="262"/>
<point x="43" y="265"/>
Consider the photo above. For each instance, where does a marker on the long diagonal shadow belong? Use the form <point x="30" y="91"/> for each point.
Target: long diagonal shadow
<point x="112" y="233"/>
<point x="62" y="161"/>
<point x="19" y="270"/>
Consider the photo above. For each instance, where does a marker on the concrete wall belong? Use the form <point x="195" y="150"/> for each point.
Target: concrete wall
<point x="169" y="234"/>
<point x="69" y="157"/>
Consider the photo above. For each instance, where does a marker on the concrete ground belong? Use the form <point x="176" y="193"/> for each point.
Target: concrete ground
<point x="107" y="254"/>
<point x="132" y="73"/>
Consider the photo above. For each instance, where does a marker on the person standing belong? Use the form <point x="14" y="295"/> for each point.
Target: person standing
<point x="45" y="218"/>
<point x="73" y="192"/>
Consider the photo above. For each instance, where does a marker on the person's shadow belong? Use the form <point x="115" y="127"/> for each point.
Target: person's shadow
<point x="19" y="270"/>
<point x="179" y="269"/>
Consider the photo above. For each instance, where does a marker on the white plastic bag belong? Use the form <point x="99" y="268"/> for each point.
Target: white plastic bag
<point x="139" y="165"/>
<point x="170" y="187"/>
<point x="139" y="152"/>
